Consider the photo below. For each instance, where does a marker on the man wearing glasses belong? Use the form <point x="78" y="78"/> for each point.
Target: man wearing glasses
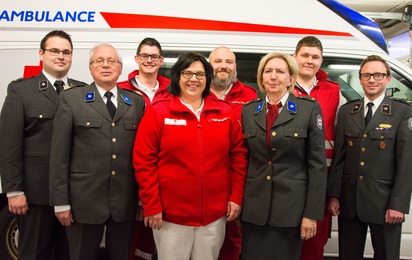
<point x="370" y="179"/>
<point x="92" y="182"/>
<point x="146" y="80"/>
<point x="26" y="126"/>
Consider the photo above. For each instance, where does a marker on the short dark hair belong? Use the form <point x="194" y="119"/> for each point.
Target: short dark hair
<point x="56" y="33"/>
<point x="309" y="41"/>
<point x="184" y="60"/>
<point x="150" y="42"/>
<point x="375" y="58"/>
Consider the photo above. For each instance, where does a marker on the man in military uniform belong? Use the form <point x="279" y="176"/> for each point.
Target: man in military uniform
<point x="26" y="126"/>
<point x="92" y="180"/>
<point x="370" y="180"/>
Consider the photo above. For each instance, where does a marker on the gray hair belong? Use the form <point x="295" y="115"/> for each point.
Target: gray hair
<point x="104" y="44"/>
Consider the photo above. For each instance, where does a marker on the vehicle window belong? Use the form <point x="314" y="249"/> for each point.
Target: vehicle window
<point x="342" y="71"/>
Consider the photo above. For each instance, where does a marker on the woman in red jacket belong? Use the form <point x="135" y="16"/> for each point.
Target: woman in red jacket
<point x="190" y="164"/>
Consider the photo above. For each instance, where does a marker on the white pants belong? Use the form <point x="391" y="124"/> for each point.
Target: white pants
<point x="180" y="242"/>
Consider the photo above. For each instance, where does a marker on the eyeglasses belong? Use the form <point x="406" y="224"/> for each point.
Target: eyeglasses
<point x="189" y="74"/>
<point x="145" y="57"/>
<point x="56" y="52"/>
<point x="100" y="62"/>
<point x="376" y="76"/>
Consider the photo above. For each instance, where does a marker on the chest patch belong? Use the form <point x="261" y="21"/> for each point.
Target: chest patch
<point x="173" y="121"/>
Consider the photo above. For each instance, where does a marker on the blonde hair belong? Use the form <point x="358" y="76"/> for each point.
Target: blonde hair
<point x="290" y="61"/>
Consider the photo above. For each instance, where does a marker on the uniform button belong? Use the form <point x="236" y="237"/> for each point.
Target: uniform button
<point x="296" y="134"/>
<point x="114" y="140"/>
<point x="273" y="133"/>
<point x="361" y="177"/>
<point x="362" y="163"/>
<point x="88" y="123"/>
<point x="40" y="116"/>
<point x="113" y="124"/>
<point x="114" y="156"/>
<point x="270" y="163"/>
<point x="365" y="135"/>
<point x="349" y="134"/>
<point x="248" y="135"/>
<point x="363" y="149"/>
<point x="134" y="126"/>
<point x="382" y="137"/>
<point x="113" y="172"/>
<point x="273" y="149"/>
<point x="268" y="177"/>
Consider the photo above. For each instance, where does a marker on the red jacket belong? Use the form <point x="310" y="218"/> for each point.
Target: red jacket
<point x="327" y="93"/>
<point x="239" y="95"/>
<point x="161" y="93"/>
<point x="189" y="169"/>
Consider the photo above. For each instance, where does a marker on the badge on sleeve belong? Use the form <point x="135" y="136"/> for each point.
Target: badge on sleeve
<point x="319" y="122"/>
<point x="291" y="107"/>
<point x="89" y="97"/>
<point x="126" y="100"/>
<point x="259" y="107"/>
<point x="410" y="123"/>
<point x="43" y="85"/>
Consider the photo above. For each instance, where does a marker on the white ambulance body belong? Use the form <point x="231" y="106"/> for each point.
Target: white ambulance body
<point x="251" y="29"/>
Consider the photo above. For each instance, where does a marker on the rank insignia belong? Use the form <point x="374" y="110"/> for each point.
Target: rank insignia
<point x="43" y="85"/>
<point x="356" y="108"/>
<point x="350" y="143"/>
<point x="140" y="93"/>
<point x="259" y="107"/>
<point x="382" y="145"/>
<point x="291" y="107"/>
<point x="386" y="109"/>
<point x="89" y="97"/>
<point x="410" y="123"/>
<point x="126" y="100"/>
<point x="384" y="127"/>
<point x="319" y="122"/>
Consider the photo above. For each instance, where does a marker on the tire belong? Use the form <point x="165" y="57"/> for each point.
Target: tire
<point x="8" y="235"/>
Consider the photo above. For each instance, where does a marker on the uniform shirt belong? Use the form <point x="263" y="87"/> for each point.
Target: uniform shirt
<point x="282" y="100"/>
<point x="376" y="103"/>
<point x="150" y="92"/>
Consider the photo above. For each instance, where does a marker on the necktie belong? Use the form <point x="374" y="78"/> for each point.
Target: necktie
<point x="369" y="114"/>
<point x="271" y="116"/>
<point x="59" y="86"/>
<point x="109" y="103"/>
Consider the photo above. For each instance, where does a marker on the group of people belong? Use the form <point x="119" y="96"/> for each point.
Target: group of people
<point x="197" y="166"/>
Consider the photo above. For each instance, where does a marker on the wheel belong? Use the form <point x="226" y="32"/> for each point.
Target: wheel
<point x="9" y="235"/>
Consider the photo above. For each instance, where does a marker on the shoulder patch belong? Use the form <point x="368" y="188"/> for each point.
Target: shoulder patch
<point x="253" y="101"/>
<point x="307" y="98"/>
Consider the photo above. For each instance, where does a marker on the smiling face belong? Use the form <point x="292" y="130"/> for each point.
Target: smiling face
<point x="148" y="66"/>
<point x="309" y="60"/>
<point x="374" y="88"/>
<point x="223" y="62"/>
<point x="105" y="74"/>
<point x="191" y="89"/>
<point x="57" y="66"/>
<point x="276" y="77"/>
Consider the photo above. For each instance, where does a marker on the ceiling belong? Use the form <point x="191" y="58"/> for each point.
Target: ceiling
<point x="390" y="27"/>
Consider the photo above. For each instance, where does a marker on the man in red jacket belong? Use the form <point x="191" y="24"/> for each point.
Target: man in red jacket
<point x="152" y="86"/>
<point x="313" y="82"/>
<point x="146" y="80"/>
<point x="226" y="86"/>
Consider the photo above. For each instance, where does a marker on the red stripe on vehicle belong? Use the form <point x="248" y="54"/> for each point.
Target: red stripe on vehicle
<point x="119" y="20"/>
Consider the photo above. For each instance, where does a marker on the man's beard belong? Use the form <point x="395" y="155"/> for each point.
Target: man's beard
<point x="224" y="83"/>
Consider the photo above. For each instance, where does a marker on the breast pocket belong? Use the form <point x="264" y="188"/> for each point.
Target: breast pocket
<point x="131" y="124"/>
<point x="40" y="114"/>
<point x="296" y="133"/>
<point x="88" y="122"/>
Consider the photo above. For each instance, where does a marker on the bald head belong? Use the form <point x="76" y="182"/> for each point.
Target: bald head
<point x="223" y="62"/>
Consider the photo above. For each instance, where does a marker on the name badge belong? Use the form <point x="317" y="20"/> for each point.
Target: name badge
<point x="171" y="121"/>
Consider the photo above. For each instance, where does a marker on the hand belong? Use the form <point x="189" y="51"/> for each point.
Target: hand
<point x="18" y="204"/>
<point x="140" y="213"/>
<point x="393" y="216"/>
<point x="233" y="210"/>
<point x="308" y="228"/>
<point x="154" y="221"/>
<point x="65" y="217"/>
<point x="333" y="206"/>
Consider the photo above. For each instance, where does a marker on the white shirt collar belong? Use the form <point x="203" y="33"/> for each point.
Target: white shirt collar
<point x="149" y="92"/>
<point x="304" y="88"/>
<point x="52" y="79"/>
<point x="198" y="112"/>
<point x="114" y="91"/>
<point x="282" y="100"/>
<point x="227" y="91"/>
<point x="376" y="103"/>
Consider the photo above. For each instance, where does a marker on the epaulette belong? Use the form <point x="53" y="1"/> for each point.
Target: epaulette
<point x="253" y="101"/>
<point x="307" y="98"/>
<point x="21" y="79"/>
<point x="402" y="100"/>
<point x="73" y="87"/>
